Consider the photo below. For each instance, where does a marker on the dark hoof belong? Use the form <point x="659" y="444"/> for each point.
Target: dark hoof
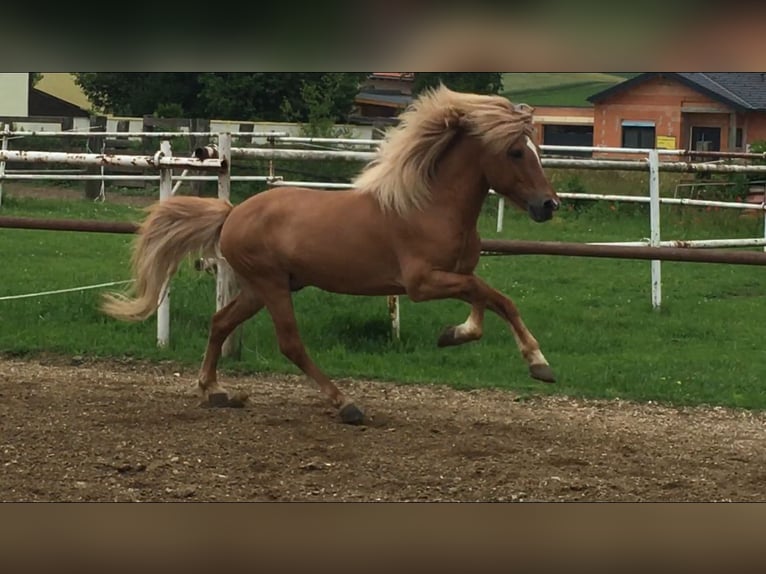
<point x="542" y="373"/>
<point x="223" y="401"/>
<point x="351" y="415"/>
<point x="447" y="338"/>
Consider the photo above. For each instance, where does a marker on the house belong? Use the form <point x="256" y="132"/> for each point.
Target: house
<point x="14" y="94"/>
<point x="702" y="111"/>
<point x="28" y="108"/>
<point x="383" y="97"/>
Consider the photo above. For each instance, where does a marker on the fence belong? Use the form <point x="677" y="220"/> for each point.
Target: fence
<point x="653" y="248"/>
<point x="164" y="162"/>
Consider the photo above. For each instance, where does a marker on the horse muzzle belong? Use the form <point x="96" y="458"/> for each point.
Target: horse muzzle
<point x="542" y="212"/>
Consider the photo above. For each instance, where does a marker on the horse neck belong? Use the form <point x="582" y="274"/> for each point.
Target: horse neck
<point x="460" y="187"/>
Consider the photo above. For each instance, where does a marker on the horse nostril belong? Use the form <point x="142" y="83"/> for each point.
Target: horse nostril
<point x="551" y="204"/>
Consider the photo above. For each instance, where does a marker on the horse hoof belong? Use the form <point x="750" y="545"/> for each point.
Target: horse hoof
<point x="218" y="401"/>
<point x="351" y="415"/>
<point x="542" y="373"/>
<point x="224" y="401"/>
<point x="447" y="338"/>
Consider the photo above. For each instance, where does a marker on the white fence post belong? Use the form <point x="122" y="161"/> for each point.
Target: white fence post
<point x="500" y="214"/>
<point x="4" y="129"/>
<point x="654" y="198"/>
<point x="226" y="283"/>
<point x="163" y="311"/>
<point x="393" y="313"/>
<point x="763" y="208"/>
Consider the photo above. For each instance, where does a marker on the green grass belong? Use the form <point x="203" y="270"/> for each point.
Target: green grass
<point x="571" y="95"/>
<point x="557" y="89"/>
<point x="592" y="317"/>
<point x="525" y="81"/>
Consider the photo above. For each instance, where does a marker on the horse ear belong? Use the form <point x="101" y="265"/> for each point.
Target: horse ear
<point x="453" y="119"/>
<point x="523" y="109"/>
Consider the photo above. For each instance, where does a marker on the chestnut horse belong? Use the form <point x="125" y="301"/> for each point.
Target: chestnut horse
<point x="407" y="228"/>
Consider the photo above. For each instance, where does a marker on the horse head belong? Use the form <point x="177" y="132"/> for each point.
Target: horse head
<point x="516" y="172"/>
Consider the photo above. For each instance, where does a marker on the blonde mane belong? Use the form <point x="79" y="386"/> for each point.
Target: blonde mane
<point x="402" y="174"/>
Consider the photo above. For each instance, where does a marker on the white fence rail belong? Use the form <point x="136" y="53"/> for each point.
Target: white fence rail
<point x="165" y="162"/>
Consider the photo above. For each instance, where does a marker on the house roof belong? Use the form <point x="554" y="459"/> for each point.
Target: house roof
<point x="44" y="104"/>
<point x="394" y="75"/>
<point x="384" y="98"/>
<point x="740" y="90"/>
<point x="63" y="85"/>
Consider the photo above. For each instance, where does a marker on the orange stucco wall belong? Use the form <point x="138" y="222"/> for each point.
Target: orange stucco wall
<point x="755" y="127"/>
<point x="662" y="101"/>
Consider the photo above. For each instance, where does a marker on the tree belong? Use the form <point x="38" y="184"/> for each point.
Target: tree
<point x="141" y="93"/>
<point x="324" y="103"/>
<point x="474" y="82"/>
<point x="279" y="96"/>
<point x="224" y="95"/>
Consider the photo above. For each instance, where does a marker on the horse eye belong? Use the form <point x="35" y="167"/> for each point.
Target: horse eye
<point x="516" y="153"/>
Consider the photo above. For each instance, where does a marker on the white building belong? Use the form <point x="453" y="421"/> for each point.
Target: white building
<point x="14" y="94"/>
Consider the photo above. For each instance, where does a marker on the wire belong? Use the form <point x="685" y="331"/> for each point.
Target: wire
<point x="72" y="290"/>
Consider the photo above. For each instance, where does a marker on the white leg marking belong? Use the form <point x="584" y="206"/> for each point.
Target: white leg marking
<point x="468" y="330"/>
<point x="537" y="358"/>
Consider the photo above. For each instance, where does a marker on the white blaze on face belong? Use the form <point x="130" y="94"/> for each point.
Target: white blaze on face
<point x="531" y="145"/>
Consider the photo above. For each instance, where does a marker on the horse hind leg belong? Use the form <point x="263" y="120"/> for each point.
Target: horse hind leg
<point x="223" y="323"/>
<point x="279" y="304"/>
<point x="467" y="332"/>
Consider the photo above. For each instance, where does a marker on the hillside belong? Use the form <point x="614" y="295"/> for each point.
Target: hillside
<point x="558" y="88"/>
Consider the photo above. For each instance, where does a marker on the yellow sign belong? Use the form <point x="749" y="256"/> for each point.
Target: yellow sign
<point x="666" y="142"/>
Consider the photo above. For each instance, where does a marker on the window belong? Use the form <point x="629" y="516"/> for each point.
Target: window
<point x="637" y="134"/>
<point x="739" y="143"/>
<point x="569" y="135"/>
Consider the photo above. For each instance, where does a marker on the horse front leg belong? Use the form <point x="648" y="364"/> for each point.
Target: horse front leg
<point x="539" y="368"/>
<point x="432" y="285"/>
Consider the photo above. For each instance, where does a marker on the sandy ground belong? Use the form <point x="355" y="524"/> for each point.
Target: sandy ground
<point x="129" y="431"/>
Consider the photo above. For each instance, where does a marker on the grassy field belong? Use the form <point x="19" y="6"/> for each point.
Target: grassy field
<point x="592" y="317"/>
<point x="558" y="89"/>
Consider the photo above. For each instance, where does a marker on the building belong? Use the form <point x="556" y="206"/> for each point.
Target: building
<point x="703" y="111"/>
<point x="564" y="126"/>
<point x="383" y="97"/>
<point x="28" y="108"/>
<point x="14" y="94"/>
<point x="63" y="85"/>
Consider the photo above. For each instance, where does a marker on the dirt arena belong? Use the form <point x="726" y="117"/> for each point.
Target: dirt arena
<point x="128" y="431"/>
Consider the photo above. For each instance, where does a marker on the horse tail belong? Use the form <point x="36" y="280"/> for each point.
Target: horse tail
<point x="174" y="228"/>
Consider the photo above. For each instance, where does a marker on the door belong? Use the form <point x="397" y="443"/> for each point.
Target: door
<point x="706" y="139"/>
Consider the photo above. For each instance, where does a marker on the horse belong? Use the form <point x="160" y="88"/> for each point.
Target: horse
<point x="408" y="227"/>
